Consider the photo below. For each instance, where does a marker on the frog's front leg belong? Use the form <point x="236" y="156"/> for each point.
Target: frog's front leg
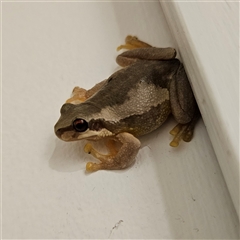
<point x="139" y="50"/>
<point x="80" y="95"/>
<point x="77" y="96"/>
<point x="115" y="160"/>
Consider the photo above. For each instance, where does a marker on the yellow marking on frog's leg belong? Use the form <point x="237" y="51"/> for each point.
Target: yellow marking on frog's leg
<point x="116" y="159"/>
<point x="132" y="42"/>
<point x="92" y="167"/>
<point x="176" y="129"/>
<point x="184" y="131"/>
<point x="177" y="132"/>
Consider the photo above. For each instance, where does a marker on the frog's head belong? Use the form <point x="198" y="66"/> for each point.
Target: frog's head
<point x="79" y="122"/>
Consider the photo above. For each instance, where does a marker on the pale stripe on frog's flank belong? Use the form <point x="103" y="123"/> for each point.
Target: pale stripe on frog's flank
<point x="137" y="103"/>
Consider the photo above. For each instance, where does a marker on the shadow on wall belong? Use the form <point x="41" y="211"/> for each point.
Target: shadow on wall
<point x="148" y="24"/>
<point x="68" y="156"/>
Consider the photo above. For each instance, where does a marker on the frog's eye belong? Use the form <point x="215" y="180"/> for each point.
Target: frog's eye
<point x="80" y="125"/>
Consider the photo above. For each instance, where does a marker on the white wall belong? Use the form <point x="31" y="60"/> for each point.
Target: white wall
<point x="47" y="49"/>
<point x="207" y="34"/>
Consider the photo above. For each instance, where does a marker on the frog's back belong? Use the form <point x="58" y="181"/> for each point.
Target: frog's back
<point x="136" y="98"/>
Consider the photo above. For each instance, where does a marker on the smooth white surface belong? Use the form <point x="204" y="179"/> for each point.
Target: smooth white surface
<point x="207" y="34"/>
<point x="48" y="48"/>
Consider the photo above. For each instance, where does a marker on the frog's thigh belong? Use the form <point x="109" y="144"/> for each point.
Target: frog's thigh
<point x="183" y="104"/>
<point x="123" y="158"/>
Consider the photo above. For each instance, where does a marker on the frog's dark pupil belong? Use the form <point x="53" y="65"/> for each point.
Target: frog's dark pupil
<point x="80" y="125"/>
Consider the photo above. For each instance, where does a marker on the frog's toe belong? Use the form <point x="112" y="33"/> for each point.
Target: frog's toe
<point x="176" y="129"/>
<point x="175" y="142"/>
<point x="182" y="131"/>
<point x="88" y="148"/>
<point x="132" y="42"/>
<point x="78" y="96"/>
<point x="92" y="167"/>
<point x="178" y="132"/>
<point x="78" y="90"/>
<point x="187" y="135"/>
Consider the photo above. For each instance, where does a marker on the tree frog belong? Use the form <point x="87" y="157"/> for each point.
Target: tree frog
<point x="132" y="102"/>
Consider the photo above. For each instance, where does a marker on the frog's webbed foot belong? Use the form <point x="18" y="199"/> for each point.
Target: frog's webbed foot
<point x="184" y="131"/>
<point x="139" y="50"/>
<point x="80" y="95"/>
<point x="117" y="158"/>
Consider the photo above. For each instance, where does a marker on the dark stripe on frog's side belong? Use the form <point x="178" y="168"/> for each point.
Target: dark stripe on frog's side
<point x="115" y="91"/>
<point x="136" y="124"/>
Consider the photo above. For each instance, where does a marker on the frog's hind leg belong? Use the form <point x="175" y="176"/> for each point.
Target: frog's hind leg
<point x="117" y="158"/>
<point x="139" y="50"/>
<point x="184" y="107"/>
<point x="80" y="95"/>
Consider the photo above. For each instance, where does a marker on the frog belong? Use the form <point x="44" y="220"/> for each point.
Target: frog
<point x="134" y="101"/>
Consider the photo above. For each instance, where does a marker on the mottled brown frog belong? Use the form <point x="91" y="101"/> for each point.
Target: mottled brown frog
<point x="132" y="102"/>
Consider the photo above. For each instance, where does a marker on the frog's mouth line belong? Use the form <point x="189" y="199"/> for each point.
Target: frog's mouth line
<point x="70" y="135"/>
